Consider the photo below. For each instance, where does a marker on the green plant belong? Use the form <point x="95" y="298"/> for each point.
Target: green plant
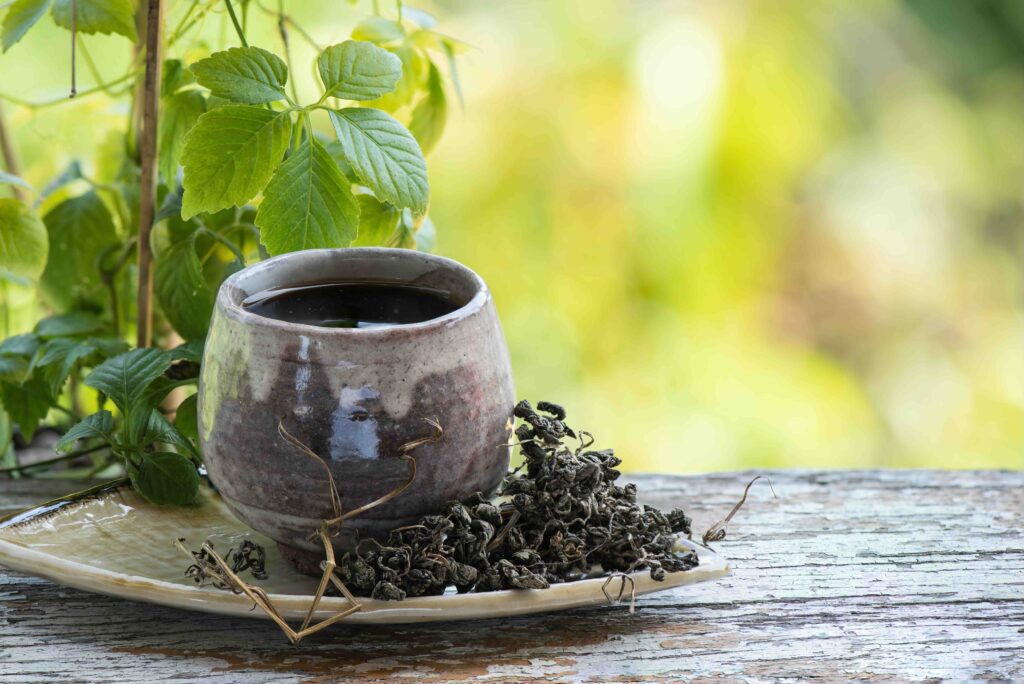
<point x="218" y="163"/>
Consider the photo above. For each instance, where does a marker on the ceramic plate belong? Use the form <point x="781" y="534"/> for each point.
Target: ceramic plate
<point x="110" y="541"/>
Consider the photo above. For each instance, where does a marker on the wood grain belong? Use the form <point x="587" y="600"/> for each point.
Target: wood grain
<point x="877" y="575"/>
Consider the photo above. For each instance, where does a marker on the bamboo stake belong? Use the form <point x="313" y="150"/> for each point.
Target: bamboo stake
<point x="147" y="153"/>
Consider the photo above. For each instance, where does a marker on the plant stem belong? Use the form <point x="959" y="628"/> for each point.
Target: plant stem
<point x="227" y="243"/>
<point x="88" y="91"/>
<point x="234" y="21"/>
<point x="283" y="31"/>
<point x="147" y="152"/>
<point x="51" y="461"/>
<point x="10" y="160"/>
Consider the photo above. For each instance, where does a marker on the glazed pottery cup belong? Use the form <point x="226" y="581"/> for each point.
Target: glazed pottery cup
<point x="354" y="396"/>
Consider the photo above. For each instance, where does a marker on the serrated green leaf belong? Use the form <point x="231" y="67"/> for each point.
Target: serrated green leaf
<point x="13" y="369"/>
<point x="175" y="75"/>
<point x="23" y="241"/>
<point x="22" y="16"/>
<point x="431" y="113"/>
<point x="308" y="204"/>
<point x="78" y="229"/>
<point x="167" y="478"/>
<point x="356" y="70"/>
<point x="11" y="179"/>
<point x="334" y="149"/>
<point x="74" y="324"/>
<point x="230" y="155"/>
<point x="58" y="357"/>
<point x="27" y="403"/>
<point x="26" y="344"/>
<point x="181" y="290"/>
<point x="378" y="30"/>
<point x="181" y="112"/>
<point x="98" y="16"/>
<point x="414" y="74"/>
<point x="161" y="387"/>
<point x="385" y="155"/>
<point x="377" y="221"/>
<point x="250" y="75"/>
<point x="186" y="417"/>
<point x="99" y="424"/>
<point x="126" y="377"/>
<point x="160" y="430"/>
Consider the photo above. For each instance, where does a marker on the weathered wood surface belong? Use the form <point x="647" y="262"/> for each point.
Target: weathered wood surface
<point x="904" y="575"/>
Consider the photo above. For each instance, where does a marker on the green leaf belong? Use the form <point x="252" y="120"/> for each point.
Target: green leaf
<point x="79" y="230"/>
<point x="230" y="155"/>
<point x="385" y="156"/>
<point x="161" y="387"/>
<point x="167" y="478"/>
<point x="181" y="112"/>
<point x="22" y="16"/>
<point x="98" y="16"/>
<point x="23" y="242"/>
<point x="243" y="74"/>
<point x="126" y="377"/>
<point x="356" y="70"/>
<point x="426" y="236"/>
<point x="160" y="430"/>
<point x="414" y="73"/>
<point x="378" y="30"/>
<point x="58" y="357"/>
<point x="308" y="204"/>
<point x="25" y="344"/>
<point x="189" y="351"/>
<point x="377" y="221"/>
<point x="431" y="113"/>
<point x="11" y="179"/>
<point x="27" y="403"/>
<point x="181" y="290"/>
<point x="71" y="173"/>
<point x="99" y="424"/>
<point x="13" y="369"/>
<point x="175" y="75"/>
<point x="186" y="417"/>
<point x="74" y="324"/>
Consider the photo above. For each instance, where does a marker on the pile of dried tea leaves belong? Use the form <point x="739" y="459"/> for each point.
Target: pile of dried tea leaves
<point x="562" y="517"/>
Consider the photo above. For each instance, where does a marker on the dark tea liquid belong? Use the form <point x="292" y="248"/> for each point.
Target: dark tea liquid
<point x="362" y="304"/>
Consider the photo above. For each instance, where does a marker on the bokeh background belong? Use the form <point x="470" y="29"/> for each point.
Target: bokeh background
<point x="725" y="234"/>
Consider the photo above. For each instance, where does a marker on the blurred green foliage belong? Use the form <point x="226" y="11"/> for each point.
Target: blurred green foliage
<point x="725" y="234"/>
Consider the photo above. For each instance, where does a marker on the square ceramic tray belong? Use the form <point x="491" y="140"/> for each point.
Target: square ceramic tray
<point x="109" y="540"/>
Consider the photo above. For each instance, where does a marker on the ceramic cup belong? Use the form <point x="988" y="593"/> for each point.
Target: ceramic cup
<point x="353" y="396"/>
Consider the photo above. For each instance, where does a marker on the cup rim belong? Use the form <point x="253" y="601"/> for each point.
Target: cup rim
<point x="231" y="293"/>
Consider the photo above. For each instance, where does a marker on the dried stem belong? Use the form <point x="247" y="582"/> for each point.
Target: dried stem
<point x="717" y="531"/>
<point x="147" y="151"/>
<point x="228" y="579"/>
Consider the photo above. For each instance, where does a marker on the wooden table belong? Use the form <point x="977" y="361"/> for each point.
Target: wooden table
<point x="847" y="575"/>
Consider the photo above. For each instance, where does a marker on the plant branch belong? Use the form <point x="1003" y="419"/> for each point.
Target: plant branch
<point x="234" y="21"/>
<point x="10" y="160"/>
<point x="282" y="30"/>
<point x="28" y="104"/>
<point x="58" y="459"/>
<point x="227" y="243"/>
<point x="147" y="152"/>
